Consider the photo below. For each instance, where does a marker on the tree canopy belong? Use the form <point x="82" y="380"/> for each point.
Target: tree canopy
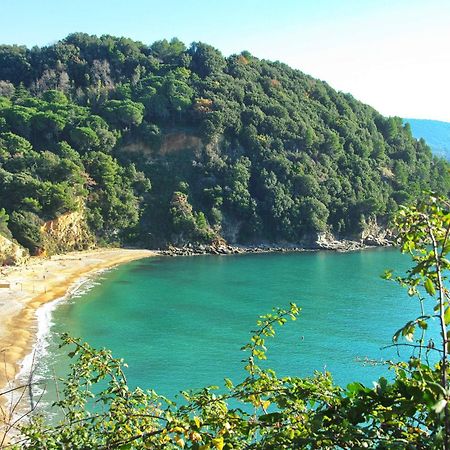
<point x="265" y="152"/>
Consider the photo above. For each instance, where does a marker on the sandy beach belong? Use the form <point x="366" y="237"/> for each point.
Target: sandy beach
<point x="23" y="289"/>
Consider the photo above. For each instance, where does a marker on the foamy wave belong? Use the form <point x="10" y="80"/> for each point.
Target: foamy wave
<point x="44" y="315"/>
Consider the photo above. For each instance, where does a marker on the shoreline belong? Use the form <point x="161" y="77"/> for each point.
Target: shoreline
<point x="41" y="281"/>
<point x="340" y="246"/>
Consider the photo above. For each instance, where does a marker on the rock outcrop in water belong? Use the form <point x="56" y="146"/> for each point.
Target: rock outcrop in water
<point x="323" y="241"/>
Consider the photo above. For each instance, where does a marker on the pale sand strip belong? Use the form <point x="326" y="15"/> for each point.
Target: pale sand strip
<point x="38" y="282"/>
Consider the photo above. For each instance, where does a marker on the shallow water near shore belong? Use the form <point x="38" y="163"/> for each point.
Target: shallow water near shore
<point x="179" y="323"/>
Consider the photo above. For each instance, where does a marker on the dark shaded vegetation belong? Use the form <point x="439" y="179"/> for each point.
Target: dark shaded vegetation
<point x="166" y="144"/>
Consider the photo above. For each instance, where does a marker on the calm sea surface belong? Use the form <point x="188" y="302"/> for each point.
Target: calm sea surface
<point x="180" y="322"/>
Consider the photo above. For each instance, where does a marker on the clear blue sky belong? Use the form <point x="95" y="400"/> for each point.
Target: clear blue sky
<point x="392" y="54"/>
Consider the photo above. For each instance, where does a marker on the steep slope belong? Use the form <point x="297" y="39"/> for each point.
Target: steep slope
<point x="166" y="144"/>
<point x="11" y="252"/>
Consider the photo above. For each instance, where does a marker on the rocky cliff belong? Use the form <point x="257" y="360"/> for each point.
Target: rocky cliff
<point x="11" y="252"/>
<point x="66" y="233"/>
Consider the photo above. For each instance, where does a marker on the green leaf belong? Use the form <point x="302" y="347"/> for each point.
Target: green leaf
<point x="218" y="442"/>
<point x="429" y="287"/>
<point x="355" y="387"/>
<point x="447" y="315"/>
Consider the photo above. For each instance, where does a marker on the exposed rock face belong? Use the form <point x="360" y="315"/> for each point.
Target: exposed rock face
<point x="171" y="142"/>
<point x="373" y="235"/>
<point x="327" y="241"/>
<point x="376" y="234"/>
<point x="68" y="232"/>
<point x="11" y="252"/>
<point x="320" y="241"/>
<point x="230" y="229"/>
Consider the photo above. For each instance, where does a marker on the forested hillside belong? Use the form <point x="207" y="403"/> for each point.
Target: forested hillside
<point x="150" y="145"/>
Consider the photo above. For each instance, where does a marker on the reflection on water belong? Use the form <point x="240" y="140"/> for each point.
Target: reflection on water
<point x="180" y="322"/>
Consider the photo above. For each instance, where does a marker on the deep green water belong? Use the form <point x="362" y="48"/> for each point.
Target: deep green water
<point x="180" y="322"/>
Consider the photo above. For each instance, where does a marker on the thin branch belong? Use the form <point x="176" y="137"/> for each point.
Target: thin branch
<point x="412" y="345"/>
<point x="444" y="358"/>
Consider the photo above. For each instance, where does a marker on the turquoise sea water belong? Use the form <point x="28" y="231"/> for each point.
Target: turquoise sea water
<point x="180" y="322"/>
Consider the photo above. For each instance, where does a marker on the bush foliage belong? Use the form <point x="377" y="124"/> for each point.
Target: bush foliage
<point x="263" y="151"/>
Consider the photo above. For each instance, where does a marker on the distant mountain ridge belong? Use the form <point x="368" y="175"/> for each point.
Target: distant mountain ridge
<point x="435" y="132"/>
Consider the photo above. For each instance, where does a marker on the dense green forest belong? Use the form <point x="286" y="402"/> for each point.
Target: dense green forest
<point x="172" y="144"/>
